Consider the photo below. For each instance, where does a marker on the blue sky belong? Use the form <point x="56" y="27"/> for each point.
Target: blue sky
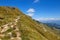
<point x="37" y="9"/>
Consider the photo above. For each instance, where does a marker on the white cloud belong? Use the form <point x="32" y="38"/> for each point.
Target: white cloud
<point x="35" y="1"/>
<point x="30" y="14"/>
<point x="30" y="11"/>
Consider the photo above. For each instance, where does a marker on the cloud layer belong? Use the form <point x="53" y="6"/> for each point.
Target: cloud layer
<point x="45" y="19"/>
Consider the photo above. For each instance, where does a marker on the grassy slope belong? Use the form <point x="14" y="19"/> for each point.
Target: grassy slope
<point x="30" y="30"/>
<point x="8" y="15"/>
<point x="39" y="28"/>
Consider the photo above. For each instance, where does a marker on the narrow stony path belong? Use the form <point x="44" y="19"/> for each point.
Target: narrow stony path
<point x="5" y="27"/>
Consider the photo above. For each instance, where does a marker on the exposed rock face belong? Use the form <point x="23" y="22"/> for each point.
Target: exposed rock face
<point x="14" y="25"/>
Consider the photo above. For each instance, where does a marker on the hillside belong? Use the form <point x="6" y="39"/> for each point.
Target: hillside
<point x="14" y="25"/>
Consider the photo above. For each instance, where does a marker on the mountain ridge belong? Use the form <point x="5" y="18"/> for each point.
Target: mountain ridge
<point x="28" y="28"/>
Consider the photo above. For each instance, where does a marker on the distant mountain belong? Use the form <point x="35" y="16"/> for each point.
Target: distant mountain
<point x="53" y="23"/>
<point x="14" y="25"/>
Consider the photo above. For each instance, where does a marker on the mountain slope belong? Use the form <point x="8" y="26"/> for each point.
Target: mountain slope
<point x="14" y="25"/>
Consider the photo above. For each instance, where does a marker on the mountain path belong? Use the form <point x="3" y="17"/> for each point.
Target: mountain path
<point x="13" y="25"/>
